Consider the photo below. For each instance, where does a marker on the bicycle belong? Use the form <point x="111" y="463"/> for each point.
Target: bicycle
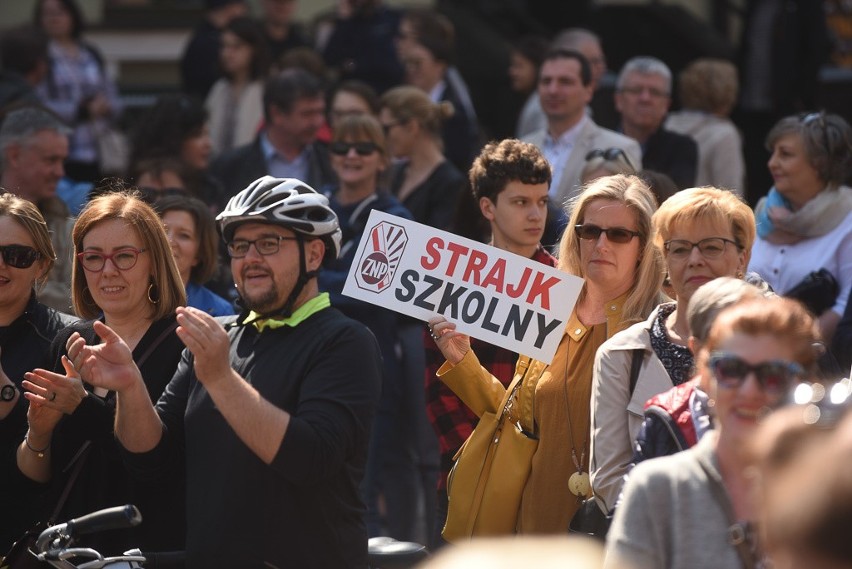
<point x="53" y="545"/>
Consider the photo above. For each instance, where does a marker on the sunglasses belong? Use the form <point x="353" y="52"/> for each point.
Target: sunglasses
<point x="362" y="148"/>
<point x="614" y="234"/>
<point x="819" y="119"/>
<point x="610" y="155"/>
<point x="775" y="376"/>
<point x="19" y="256"/>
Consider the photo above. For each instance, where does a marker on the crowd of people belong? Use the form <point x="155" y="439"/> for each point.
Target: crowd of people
<point x="176" y="335"/>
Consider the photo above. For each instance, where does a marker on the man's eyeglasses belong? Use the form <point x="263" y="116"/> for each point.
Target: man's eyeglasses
<point x="123" y="259"/>
<point x="19" y="256"/>
<point x="614" y="234"/>
<point x="361" y="148"/>
<point x="239" y="248"/>
<point x="610" y="155"/>
<point x="710" y="248"/>
<point x="775" y="376"/>
<point x="637" y="90"/>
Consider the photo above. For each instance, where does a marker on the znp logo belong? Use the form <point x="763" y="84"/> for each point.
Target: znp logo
<point x="380" y="257"/>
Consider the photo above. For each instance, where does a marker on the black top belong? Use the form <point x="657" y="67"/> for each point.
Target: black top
<point x="673" y="154"/>
<point x="25" y="345"/>
<point x="434" y="201"/>
<point x="304" y="509"/>
<point x="677" y="360"/>
<point x="104" y="481"/>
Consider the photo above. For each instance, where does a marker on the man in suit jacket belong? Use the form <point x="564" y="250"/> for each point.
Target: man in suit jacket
<point x="293" y="107"/>
<point x="643" y="97"/>
<point x="565" y="88"/>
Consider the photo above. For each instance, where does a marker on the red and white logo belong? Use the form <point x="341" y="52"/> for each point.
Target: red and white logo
<point x="380" y="258"/>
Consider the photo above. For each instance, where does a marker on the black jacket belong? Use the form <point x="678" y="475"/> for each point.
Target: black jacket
<point x="673" y="154"/>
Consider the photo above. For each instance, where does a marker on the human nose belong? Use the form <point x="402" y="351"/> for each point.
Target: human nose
<point x="695" y="255"/>
<point x="109" y="266"/>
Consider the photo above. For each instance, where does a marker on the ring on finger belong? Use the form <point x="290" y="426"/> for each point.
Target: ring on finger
<point x="52" y="396"/>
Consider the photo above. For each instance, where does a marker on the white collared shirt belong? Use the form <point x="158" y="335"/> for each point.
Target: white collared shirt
<point x="557" y="151"/>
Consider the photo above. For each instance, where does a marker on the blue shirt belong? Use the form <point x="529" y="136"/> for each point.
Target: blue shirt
<point x="204" y="299"/>
<point x="278" y="166"/>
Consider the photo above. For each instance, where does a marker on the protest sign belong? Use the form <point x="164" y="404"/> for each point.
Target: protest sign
<point x="490" y="294"/>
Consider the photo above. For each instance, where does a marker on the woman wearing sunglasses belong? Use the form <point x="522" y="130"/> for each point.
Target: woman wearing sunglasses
<point x="608" y="244"/>
<point x="804" y="224"/>
<point x="694" y="509"/>
<point x="704" y="233"/>
<point x="124" y="275"/>
<point x="359" y="156"/>
<point x="27" y="328"/>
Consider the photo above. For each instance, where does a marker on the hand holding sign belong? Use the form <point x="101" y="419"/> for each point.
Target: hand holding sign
<point x="453" y="345"/>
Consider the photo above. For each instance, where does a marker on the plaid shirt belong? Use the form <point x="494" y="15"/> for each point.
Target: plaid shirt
<point x="452" y="420"/>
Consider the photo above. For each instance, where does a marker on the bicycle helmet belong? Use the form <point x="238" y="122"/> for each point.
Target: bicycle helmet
<point x="286" y="202"/>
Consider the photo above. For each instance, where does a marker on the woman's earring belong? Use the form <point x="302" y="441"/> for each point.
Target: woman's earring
<point x="152" y="288"/>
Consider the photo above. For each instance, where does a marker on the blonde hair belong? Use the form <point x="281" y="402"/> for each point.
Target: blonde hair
<point x="633" y="193"/>
<point x="407" y="103"/>
<point x="709" y="85"/>
<point x="144" y="220"/>
<point x="710" y="205"/>
<point x="27" y="215"/>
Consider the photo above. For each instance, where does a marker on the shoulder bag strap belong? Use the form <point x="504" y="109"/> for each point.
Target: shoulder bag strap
<point x="635" y="366"/>
<point x="156" y="343"/>
<point x="79" y="460"/>
<point x="737" y="534"/>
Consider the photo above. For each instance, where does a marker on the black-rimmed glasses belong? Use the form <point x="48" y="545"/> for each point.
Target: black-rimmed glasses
<point x="710" y="248"/>
<point x="239" y="248"/>
<point x="19" y="256"/>
<point x="614" y="234"/>
<point x="123" y="259"/>
<point x="775" y="376"/>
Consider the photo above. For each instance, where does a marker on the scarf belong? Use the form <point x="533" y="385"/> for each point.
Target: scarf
<point x="779" y="224"/>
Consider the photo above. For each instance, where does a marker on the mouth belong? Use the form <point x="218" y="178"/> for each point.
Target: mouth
<point x="108" y="290"/>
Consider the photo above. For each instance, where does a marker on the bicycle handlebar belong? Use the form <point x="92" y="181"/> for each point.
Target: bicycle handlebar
<point x="109" y="518"/>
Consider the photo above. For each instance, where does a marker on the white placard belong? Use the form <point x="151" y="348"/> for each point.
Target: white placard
<point x="490" y="294"/>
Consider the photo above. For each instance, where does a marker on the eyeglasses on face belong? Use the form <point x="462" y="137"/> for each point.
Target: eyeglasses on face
<point x="239" y="248"/>
<point x="362" y="148"/>
<point x="19" y="256"/>
<point x="775" y="376"/>
<point x="614" y="234"/>
<point x="123" y="259"/>
<point x="638" y="90"/>
<point x="710" y="248"/>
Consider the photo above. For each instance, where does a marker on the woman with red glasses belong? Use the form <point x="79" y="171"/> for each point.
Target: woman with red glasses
<point x="125" y="275"/>
<point x="695" y="508"/>
<point x="609" y="245"/>
<point x="26" y="329"/>
<point x="703" y="233"/>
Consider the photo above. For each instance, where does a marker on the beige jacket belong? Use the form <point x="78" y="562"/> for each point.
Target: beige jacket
<point x="616" y="415"/>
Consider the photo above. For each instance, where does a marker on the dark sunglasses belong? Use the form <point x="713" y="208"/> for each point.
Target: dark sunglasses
<point x="19" y="256"/>
<point x="362" y="148"/>
<point x="774" y="376"/>
<point x="610" y="155"/>
<point x="614" y="234"/>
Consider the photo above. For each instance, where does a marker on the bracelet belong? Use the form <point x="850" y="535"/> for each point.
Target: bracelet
<point x="39" y="453"/>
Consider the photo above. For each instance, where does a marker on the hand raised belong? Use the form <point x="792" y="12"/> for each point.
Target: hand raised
<point x="454" y="345"/>
<point x="207" y="340"/>
<point x="109" y="364"/>
<point x="62" y="393"/>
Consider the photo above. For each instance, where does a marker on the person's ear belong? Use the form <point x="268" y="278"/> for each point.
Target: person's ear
<point x="314" y="253"/>
<point x="486" y="206"/>
<point x="12" y="155"/>
<point x="694" y="344"/>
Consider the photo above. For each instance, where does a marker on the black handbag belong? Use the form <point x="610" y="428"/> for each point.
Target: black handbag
<point x="817" y="291"/>
<point x="590" y="519"/>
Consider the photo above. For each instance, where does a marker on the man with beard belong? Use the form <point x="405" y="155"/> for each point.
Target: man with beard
<point x="270" y="410"/>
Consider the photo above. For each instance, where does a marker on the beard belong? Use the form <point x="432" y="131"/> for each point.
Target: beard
<point x="261" y="301"/>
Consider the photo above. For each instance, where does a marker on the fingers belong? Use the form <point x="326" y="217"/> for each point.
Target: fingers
<point x="439" y="327"/>
<point x="54" y="390"/>
<point x="105" y="332"/>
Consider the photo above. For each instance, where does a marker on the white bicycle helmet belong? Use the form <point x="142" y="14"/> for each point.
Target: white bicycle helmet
<point x="287" y="202"/>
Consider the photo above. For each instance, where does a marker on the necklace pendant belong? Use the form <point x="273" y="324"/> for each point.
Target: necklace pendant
<point x="580" y="485"/>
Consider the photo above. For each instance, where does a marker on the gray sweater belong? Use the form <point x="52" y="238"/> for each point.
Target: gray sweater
<point x="668" y="517"/>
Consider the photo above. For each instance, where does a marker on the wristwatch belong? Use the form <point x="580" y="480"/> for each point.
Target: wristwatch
<point x="7" y="393"/>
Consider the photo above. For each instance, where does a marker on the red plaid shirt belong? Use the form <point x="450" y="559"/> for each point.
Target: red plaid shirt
<point x="452" y="420"/>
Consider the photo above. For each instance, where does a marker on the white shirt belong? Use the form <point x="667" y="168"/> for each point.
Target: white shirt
<point x="784" y="266"/>
<point x="557" y="151"/>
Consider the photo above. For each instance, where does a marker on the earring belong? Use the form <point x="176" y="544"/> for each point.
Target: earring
<point x="740" y="275"/>
<point x="152" y="287"/>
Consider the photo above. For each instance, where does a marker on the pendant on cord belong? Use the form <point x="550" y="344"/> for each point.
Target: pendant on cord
<point x="579" y="482"/>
